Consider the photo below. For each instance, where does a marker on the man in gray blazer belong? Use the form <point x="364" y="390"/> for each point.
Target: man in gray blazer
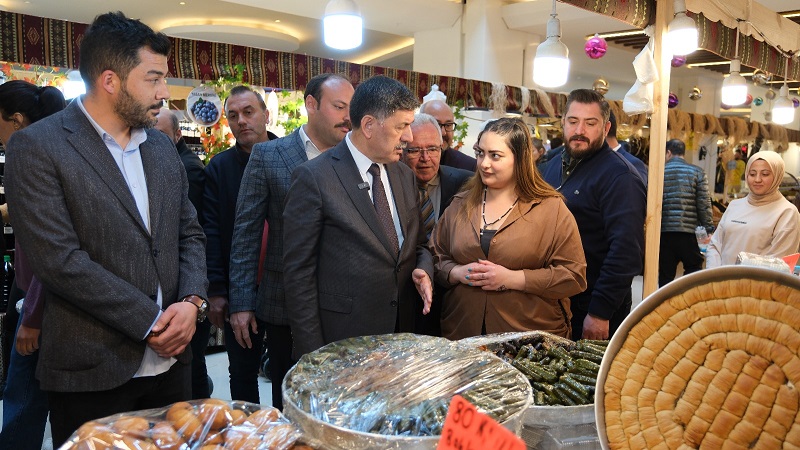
<point x="353" y="240"/>
<point x="102" y="211"/>
<point x="437" y="185"/>
<point x="265" y="182"/>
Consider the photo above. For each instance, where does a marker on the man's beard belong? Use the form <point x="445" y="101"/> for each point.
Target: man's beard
<point x="133" y="113"/>
<point x="592" y="148"/>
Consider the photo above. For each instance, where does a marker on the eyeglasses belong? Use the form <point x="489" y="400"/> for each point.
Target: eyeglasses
<point x="449" y="126"/>
<point x="417" y="151"/>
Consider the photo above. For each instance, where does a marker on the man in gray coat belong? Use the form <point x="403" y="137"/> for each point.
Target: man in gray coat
<point x="353" y="239"/>
<point x="101" y="207"/>
<point x="265" y="182"/>
<point x="686" y="205"/>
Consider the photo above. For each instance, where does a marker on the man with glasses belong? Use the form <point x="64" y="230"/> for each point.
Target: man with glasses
<point x="447" y="123"/>
<point x="437" y="185"/>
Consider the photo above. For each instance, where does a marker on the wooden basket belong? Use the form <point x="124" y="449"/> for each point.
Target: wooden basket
<point x="711" y="359"/>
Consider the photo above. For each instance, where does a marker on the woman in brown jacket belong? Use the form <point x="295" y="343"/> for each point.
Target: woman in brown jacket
<point x="507" y="246"/>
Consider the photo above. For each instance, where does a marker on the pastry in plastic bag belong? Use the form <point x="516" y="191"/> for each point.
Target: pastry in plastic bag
<point x="210" y="424"/>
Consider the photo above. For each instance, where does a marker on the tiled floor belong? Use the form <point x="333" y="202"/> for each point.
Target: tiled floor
<point x="218" y="370"/>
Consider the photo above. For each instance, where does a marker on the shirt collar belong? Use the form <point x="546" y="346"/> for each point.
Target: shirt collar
<point x="307" y="141"/>
<point x="362" y="162"/>
<point x="138" y="135"/>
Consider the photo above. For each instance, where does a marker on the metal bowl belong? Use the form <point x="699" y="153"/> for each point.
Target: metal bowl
<point x="677" y="287"/>
<point x="337" y="392"/>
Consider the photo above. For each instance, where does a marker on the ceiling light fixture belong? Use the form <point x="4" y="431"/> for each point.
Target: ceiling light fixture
<point x="682" y="34"/>
<point x="342" y="25"/>
<point x="783" y="111"/>
<point x="551" y="63"/>
<point x="734" y="87"/>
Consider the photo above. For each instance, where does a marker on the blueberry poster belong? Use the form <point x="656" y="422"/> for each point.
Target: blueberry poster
<point x="203" y="106"/>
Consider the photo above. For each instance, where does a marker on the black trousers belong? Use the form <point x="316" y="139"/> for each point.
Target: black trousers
<point x="579" y="314"/>
<point x="279" y="349"/>
<point x="70" y="410"/>
<point x="677" y="247"/>
<point x="199" y="343"/>
<point x="243" y="363"/>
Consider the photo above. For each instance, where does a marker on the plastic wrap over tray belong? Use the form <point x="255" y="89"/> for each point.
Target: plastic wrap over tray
<point x="393" y="391"/>
<point x="206" y="424"/>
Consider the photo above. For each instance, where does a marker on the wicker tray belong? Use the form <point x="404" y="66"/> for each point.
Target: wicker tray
<point x="709" y="359"/>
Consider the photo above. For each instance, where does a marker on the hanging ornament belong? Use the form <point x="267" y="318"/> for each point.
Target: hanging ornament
<point x="760" y="78"/>
<point x="696" y="94"/>
<point x="768" y="116"/>
<point x="600" y="86"/>
<point x="770" y="95"/>
<point x="678" y="61"/>
<point x="758" y="101"/>
<point x="748" y="100"/>
<point x="673" y="100"/>
<point x="624" y="131"/>
<point x="595" y="47"/>
<point x="796" y="102"/>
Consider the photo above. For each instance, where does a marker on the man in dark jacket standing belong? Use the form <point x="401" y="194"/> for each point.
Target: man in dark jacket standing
<point x="607" y="197"/>
<point x="686" y="205"/>
<point x="247" y="116"/>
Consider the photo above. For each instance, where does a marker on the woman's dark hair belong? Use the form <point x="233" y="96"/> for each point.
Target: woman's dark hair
<point x="31" y="101"/>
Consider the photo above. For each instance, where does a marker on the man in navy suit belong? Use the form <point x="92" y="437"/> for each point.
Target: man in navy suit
<point x="437" y="184"/>
<point x="622" y="149"/>
<point x="353" y="240"/>
<point x="264" y="185"/>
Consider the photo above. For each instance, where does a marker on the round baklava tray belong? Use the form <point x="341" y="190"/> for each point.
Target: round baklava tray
<point x="708" y="361"/>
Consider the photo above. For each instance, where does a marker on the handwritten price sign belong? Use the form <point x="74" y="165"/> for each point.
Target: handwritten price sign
<point x="467" y="429"/>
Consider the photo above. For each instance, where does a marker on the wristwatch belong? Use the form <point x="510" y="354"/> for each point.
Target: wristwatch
<point x="200" y="303"/>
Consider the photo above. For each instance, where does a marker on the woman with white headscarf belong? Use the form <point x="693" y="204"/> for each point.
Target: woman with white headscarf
<point x="764" y="222"/>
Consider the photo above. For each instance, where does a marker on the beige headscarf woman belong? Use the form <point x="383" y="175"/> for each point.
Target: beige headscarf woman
<point x="778" y="168"/>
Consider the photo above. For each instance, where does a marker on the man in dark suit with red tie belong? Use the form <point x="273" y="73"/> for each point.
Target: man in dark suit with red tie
<point x="354" y="241"/>
<point x="437" y="185"/>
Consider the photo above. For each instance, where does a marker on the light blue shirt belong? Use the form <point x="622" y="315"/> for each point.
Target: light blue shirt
<point x="363" y="163"/>
<point x="129" y="161"/>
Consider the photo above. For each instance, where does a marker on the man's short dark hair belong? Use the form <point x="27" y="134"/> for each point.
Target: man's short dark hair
<point x="314" y="86"/>
<point x="589" y="96"/>
<point x="112" y="42"/>
<point x="613" y="130"/>
<point x="242" y="89"/>
<point x="676" y="147"/>
<point x="380" y="97"/>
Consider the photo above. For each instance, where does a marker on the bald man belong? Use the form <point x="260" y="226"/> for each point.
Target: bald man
<point x="443" y="114"/>
<point x="168" y="124"/>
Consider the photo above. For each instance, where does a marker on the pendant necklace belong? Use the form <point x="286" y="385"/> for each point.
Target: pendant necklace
<point x="483" y="212"/>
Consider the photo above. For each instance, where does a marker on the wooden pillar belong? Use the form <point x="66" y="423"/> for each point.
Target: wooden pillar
<point x="658" y="139"/>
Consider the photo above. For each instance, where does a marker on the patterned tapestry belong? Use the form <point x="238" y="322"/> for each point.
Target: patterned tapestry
<point x="721" y="40"/>
<point x="49" y="42"/>
<point x="638" y="13"/>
